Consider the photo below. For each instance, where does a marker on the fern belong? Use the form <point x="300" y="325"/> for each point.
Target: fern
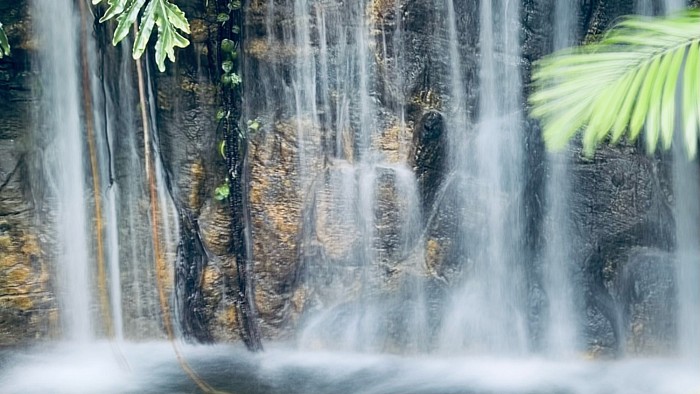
<point x="624" y="82"/>
<point x="169" y="19"/>
<point x="4" y="43"/>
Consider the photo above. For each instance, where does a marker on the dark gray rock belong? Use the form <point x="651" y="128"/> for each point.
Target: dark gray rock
<point x="647" y="298"/>
<point x="429" y="157"/>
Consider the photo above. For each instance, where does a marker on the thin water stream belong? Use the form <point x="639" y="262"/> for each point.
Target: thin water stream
<point x="562" y="338"/>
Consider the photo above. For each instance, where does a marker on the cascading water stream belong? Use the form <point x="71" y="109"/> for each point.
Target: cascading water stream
<point x="331" y="100"/>
<point x="686" y="189"/>
<point x="167" y="225"/>
<point x="687" y="228"/>
<point x="486" y="314"/>
<point x="561" y="336"/>
<point x="130" y="216"/>
<point x="644" y="7"/>
<point x="127" y="303"/>
<point x="63" y="162"/>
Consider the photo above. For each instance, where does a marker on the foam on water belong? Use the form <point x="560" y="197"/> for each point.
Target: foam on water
<point x="152" y="367"/>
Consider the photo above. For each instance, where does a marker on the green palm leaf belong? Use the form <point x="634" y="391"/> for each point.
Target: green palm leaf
<point x="4" y="43"/>
<point x="624" y="82"/>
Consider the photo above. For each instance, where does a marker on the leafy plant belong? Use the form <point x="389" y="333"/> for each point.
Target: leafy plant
<point x="627" y="80"/>
<point x="222" y="18"/>
<point x="222" y="192"/>
<point x="169" y="19"/>
<point x="253" y="126"/>
<point x="4" y="43"/>
<point x="230" y="78"/>
<point x="221" y="113"/>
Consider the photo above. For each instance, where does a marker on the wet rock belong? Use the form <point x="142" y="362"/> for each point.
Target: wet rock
<point x="278" y="191"/>
<point x="620" y="201"/>
<point x="647" y="297"/>
<point x="27" y="303"/>
<point x="429" y="156"/>
<point x="215" y="227"/>
<point x="188" y="99"/>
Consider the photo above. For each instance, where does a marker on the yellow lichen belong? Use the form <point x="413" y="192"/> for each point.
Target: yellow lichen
<point x="272" y="51"/>
<point x="197" y="178"/>
<point x="199" y="31"/>
<point x="428" y="99"/>
<point x="230" y="317"/>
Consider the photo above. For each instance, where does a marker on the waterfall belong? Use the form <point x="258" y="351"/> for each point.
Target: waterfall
<point x="686" y="188"/>
<point x="329" y="92"/>
<point x="394" y="191"/>
<point x="487" y="312"/>
<point x="687" y="230"/>
<point x="63" y="153"/>
<point x="339" y="79"/>
<point x="125" y="305"/>
<point x="138" y="303"/>
<point x="561" y="337"/>
<point x="168" y="227"/>
<point x="644" y="7"/>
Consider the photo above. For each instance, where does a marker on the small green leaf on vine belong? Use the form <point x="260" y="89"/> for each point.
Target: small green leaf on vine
<point x="222" y="148"/>
<point x="222" y="192"/>
<point x="253" y="125"/>
<point x="227" y="66"/>
<point x="222" y="18"/>
<point x="231" y="79"/>
<point x="228" y="46"/>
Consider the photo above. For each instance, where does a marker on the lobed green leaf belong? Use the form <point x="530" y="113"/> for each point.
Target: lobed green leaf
<point x="169" y="19"/>
<point x="126" y="20"/>
<point x="116" y="7"/>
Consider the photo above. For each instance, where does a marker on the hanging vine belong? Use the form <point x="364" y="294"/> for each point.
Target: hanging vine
<point x="234" y="149"/>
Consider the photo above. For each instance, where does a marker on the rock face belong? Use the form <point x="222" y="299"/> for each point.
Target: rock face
<point x="624" y="205"/>
<point x="27" y="303"/>
<point x="620" y="200"/>
<point x="644" y="289"/>
<point x="308" y="239"/>
<point x="188" y="98"/>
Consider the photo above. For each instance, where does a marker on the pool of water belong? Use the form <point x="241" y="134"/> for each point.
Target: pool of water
<point x="153" y="368"/>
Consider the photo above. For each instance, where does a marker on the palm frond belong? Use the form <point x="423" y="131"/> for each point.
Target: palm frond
<point x="4" y="43"/>
<point x="624" y="82"/>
